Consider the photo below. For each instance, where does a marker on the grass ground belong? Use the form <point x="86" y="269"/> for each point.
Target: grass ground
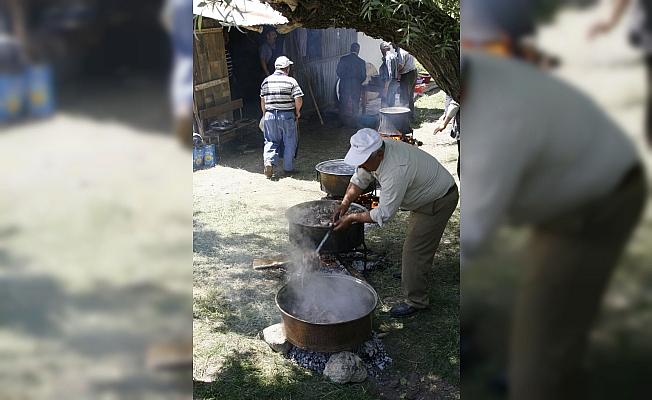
<point x="239" y="215"/>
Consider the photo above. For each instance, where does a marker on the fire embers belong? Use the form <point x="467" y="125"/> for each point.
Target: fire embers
<point x="372" y="353"/>
<point x="351" y="261"/>
<point x="368" y="201"/>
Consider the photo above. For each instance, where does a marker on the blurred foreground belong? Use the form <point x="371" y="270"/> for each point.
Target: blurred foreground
<point x="612" y="73"/>
<point x="95" y="237"/>
<point x="94" y="253"/>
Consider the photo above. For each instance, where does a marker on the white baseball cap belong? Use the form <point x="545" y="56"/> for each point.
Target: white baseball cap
<point x="282" y="62"/>
<point x="363" y="144"/>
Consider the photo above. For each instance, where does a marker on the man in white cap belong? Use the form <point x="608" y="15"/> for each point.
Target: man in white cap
<point x="280" y="101"/>
<point x="412" y="180"/>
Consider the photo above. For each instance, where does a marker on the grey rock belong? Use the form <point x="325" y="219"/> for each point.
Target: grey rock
<point x="274" y="336"/>
<point x="345" y="367"/>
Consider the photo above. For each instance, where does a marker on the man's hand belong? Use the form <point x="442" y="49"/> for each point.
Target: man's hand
<point x="344" y="222"/>
<point x="297" y="114"/>
<point x="339" y="212"/>
<point x="438" y="128"/>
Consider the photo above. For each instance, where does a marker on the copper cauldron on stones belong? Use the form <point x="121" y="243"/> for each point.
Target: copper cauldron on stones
<point x="327" y="312"/>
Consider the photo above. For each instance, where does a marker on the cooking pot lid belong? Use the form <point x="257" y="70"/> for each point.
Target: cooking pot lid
<point x="394" y="110"/>
<point x="335" y="167"/>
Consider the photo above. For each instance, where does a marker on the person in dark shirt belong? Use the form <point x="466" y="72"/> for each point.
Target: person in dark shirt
<point x="352" y="72"/>
<point x="269" y="51"/>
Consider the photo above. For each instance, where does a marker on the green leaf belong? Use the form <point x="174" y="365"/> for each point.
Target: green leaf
<point x="202" y="4"/>
<point x="403" y="381"/>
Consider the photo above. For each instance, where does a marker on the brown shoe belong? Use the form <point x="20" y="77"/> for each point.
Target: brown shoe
<point x="268" y="171"/>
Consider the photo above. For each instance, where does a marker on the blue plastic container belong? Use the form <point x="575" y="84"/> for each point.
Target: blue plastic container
<point x="210" y="156"/>
<point x="40" y="90"/>
<point x="197" y="157"/>
<point x="12" y="96"/>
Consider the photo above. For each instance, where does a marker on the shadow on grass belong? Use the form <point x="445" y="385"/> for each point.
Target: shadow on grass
<point x="119" y="101"/>
<point x="317" y="143"/>
<point x="241" y="377"/>
<point x="240" y="248"/>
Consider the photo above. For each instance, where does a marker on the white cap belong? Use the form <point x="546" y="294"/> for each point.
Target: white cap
<point x="363" y="144"/>
<point x="282" y="62"/>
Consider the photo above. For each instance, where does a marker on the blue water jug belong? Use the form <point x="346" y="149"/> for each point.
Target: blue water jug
<point x="197" y="157"/>
<point x="40" y="90"/>
<point x="12" y="95"/>
<point x="210" y="156"/>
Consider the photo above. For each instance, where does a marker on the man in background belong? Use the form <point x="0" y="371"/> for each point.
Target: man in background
<point x="407" y="70"/>
<point x="640" y="35"/>
<point x="281" y="99"/>
<point x="451" y="113"/>
<point x="177" y="19"/>
<point x="352" y="72"/>
<point x="389" y="75"/>
<point x="269" y="51"/>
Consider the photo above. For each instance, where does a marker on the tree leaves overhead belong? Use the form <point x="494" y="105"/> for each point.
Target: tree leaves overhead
<point x="429" y="29"/>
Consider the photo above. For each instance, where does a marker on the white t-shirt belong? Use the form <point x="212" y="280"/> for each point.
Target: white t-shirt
<point x="406" y="60"/>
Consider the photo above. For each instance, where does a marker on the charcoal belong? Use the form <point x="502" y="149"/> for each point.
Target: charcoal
<point x="372" y="353"/>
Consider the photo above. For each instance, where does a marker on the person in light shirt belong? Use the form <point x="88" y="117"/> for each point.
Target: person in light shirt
<point x="407" y="70"/>
<point x="413" y="180"/>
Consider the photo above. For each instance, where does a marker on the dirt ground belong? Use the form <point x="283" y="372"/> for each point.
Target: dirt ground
<point x="88" y="279"/>
<point x="239" y="215"/>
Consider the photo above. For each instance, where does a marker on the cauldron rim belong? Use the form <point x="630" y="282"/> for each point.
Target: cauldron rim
<point x="394" y="110"/>
<point x="290" y="210"/>
<point x="330" y="276"/>
<point x="321" y="164"/>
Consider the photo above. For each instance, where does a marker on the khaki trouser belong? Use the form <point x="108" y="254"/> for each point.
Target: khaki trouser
<point x="425" y="228"/>
<point x="572" y="259"/>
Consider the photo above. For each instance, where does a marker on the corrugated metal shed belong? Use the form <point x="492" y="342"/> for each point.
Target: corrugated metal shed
<point x="240" y="12"/>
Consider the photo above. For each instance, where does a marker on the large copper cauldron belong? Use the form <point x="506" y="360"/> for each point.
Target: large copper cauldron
<point x="334" y="177"/>
<point x="327" y="312"/>
<point x="309" y="222"/>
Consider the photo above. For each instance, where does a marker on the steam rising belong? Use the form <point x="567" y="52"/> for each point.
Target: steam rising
<point x="318" y="297"/>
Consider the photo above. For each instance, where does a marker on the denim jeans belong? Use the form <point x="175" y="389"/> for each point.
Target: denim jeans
<point x="280" y="136"/>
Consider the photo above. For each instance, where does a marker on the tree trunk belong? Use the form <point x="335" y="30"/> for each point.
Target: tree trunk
<point x="441" y="61"/>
